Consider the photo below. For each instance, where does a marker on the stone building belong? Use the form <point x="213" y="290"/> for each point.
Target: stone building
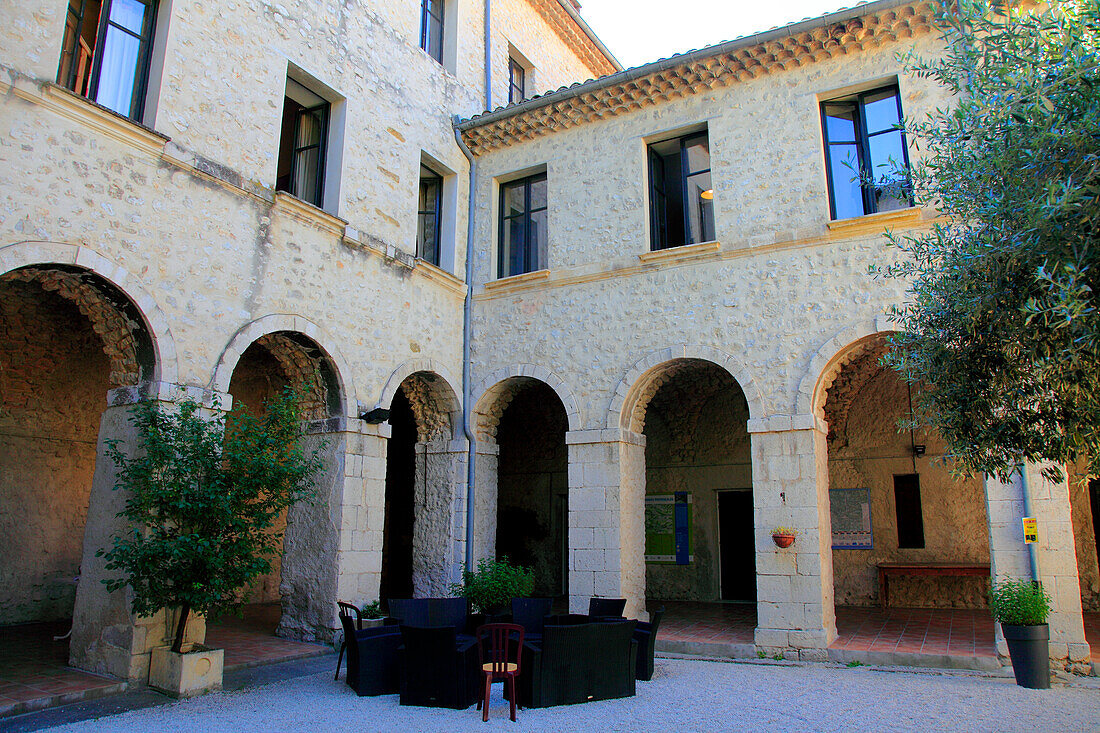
<point x="663" y="271"/>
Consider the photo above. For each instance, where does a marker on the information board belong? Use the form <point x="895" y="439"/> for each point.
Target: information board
<point x="850" y="510"/>
<point x="668" y="528"/>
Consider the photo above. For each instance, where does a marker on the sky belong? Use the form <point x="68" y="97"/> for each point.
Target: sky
<point x="639" y="31"/>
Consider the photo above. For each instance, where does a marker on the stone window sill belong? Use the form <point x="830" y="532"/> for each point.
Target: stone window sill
<point x="310" y="213"/>
<point x="876" y="221"/>
<point x="683" y="252"/>
<point x="512" y="281"/>
<point x="441" y="276"/>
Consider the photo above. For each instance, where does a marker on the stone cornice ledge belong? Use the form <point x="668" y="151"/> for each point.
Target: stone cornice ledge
<point x="604" y="435"/>
<point x="786" y="423"/>
<point x="681" y="253"/>
<point x="440" y="277"/>
<point x="517" y="282"/>
<point x="308" y="213"/>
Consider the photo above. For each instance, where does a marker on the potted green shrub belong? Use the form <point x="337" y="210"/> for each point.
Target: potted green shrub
<point x="372" y="614"/>
<point x="203" y="492"/>
<point x="1022" y="607"/>
<point x="492" y="586"/>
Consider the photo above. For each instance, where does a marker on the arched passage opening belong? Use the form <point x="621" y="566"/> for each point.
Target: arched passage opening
<point x="899" y="518"/>
<point x="67" y="337"/>
<point x="527" y="421"/>
<point x="700" y="549"/>
<point x="284" y="600"/>
<point x="422" y="479"/>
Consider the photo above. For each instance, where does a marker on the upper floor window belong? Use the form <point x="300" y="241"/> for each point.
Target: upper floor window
<point x="522" y="226"/>
<point x="681" y="198"/>
<point x="431" y="28"/>
<point x="516" y="77"/>
<point x="428" y="214"/>
<point x="865" y="153"/>
<point x="105" y="52"/>
<point x="302" y="144"/>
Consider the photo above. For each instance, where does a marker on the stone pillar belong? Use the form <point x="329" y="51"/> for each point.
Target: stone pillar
<point x="606" y="518"/>
<point x="439" y="520"/>
<point x="485" y="504"/>
<point x="1050" y="504"/>
<point x="790" y="487"/>
<point x="332" y="549"/>
<point x="107" y="637"/>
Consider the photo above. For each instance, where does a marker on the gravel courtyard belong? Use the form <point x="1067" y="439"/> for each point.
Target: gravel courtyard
<point x="684" y="695"/>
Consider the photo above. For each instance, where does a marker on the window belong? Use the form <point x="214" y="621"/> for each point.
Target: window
<point x="516" y="74"/>
<point x="302" y="144"/>
<point x="865" y="154"/>
<point x="681" y="198"/>
<point x="428" y="215"/>
<point x="431" y="28"/>
<point x="909" y="513"/>
<point x="522" y="226"/>
<point x="105" y="52"/>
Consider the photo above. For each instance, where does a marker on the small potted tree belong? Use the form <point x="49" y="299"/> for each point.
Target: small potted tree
<point x="1022" y="607"/>
<point x="372" y="614"/>
<point x="203" y="493"/>
<point x="492" y="586"/>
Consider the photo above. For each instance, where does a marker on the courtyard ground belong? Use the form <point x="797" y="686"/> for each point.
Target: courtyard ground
<point x="684" y="695"/>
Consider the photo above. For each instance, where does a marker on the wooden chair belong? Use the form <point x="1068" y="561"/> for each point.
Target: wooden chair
<point x="347" y="609"/>
<point x="501" y="662"/>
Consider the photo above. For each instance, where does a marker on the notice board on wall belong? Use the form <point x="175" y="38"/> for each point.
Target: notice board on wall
<point x="668" y="528"/>
<point x="850" y="511"/>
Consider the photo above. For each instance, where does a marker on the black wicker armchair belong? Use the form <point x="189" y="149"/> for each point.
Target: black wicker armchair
<point x="438" y="669"/>
<point x="372" y="657"/>
<point x="429" y="612"/>
<point x="606" y="606"/>
<point x="645" y="633"/>
<point x="579" y="662"/>
<point x="531" y="613"/>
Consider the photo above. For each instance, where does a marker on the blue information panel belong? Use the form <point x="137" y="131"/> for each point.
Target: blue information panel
<point x="683" y="536"/>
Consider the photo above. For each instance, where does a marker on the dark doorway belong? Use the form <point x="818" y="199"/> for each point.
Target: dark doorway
<point x="737" y="549"/>
<point x="397" y="532"/>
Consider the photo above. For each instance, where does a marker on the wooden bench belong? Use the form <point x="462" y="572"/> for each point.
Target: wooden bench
<point x="952" y="569"/>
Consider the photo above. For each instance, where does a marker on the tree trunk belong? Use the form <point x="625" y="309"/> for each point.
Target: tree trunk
<point x="177" y="643"/>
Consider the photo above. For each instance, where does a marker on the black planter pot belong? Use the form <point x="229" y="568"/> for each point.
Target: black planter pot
<point x="1029" y="649"/>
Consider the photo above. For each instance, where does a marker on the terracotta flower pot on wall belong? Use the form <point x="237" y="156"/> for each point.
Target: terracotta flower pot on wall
<point x="783" y="540"/>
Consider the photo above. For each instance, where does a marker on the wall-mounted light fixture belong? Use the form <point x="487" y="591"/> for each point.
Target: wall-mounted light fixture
<point x="918" y="450"/>
<point x="375" y="416"/>
<point x="707" y="195"/>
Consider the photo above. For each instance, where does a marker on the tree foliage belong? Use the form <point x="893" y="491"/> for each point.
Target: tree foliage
<point x="203" y="493"/>
<point x="1001" y="319"/>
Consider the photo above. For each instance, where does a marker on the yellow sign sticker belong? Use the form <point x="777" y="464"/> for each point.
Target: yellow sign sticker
<point x="1031" y="530"/>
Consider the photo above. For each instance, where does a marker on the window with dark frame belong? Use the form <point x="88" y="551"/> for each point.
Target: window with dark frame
<point x="302" y="144"/>
<point x="105" y="52"/>
<point x="523" y="237"/>
<point x="431" y="28"/>
<point x="681" y="197"/>
<point x="910" y="515"/>
<point x="866" y="158"/>
<point x="428" y="213"/>
<point x="516" y="80"/>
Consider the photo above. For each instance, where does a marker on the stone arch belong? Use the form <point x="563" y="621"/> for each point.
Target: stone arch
<point x="500" y="387"/>
<point x="286" y="330"/>
<point x="112" y="286"/>
<point x="434" y="401"/>
<point x="830" y="359"/>
<point x="644" y="378"/>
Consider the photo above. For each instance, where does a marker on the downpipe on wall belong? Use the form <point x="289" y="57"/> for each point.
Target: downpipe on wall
<point x="467" y="318"/>
<point x="1032" y="549"/>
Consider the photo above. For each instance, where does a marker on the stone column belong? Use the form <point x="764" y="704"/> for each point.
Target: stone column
<point x="107" y="637"/>
<point x="439" y="520"/>
<point x="606" y="518"/>
<point x="790" y="487"/>
<point x="485" y="504"/>
<point x="1050" y="504"/>
<point x="332" y="549"/>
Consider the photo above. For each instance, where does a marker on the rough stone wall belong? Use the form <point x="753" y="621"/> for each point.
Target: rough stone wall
<point x="781" y="283"/>
<point x="696" y="441"/>
<point x="555" y="64"/>
<point x="1088" y="564"/>
<point x="54" y="376"/>
<point x="532" y="485"/>
<point x="865" y="405"/>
